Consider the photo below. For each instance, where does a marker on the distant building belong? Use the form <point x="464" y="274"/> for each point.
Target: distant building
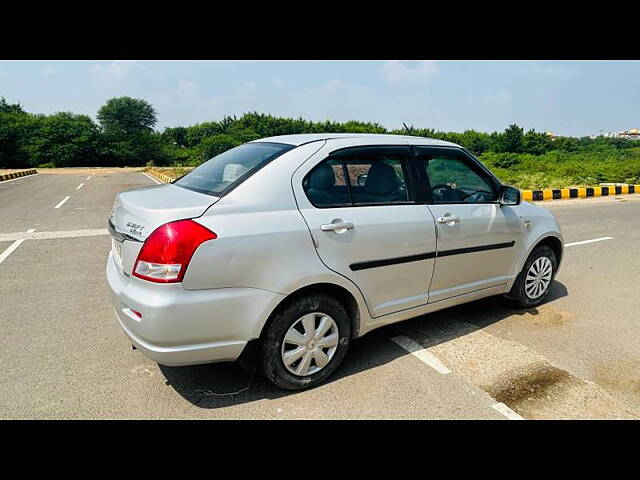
<point x="632" y="134"/>
<point x="552" y="135"/>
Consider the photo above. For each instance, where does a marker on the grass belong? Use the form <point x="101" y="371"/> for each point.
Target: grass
<point x="173" y="172"/>
<point x="558" y="169"/>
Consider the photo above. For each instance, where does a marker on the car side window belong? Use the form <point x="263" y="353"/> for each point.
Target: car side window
<point x="361" y="177"/>
<point x="454" y="179"/>
<point x="326" y="185"/>
<point x="377" y="179"/>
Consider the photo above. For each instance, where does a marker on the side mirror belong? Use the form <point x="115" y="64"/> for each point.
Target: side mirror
<point x="509" y="196"/>
<point x="362" y="179"/>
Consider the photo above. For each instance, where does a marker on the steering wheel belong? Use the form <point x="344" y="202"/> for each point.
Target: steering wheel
<point x="441" y="185"/>
<point x="458" y="194"/>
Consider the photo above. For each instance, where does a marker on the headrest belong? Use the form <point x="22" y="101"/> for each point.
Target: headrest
<point x="381" y="180"/>
<point x="233" y="171"/>
<point x="322" y="178"/>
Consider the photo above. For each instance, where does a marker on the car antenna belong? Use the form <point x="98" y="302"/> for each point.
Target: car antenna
<point x="409" y="130"/>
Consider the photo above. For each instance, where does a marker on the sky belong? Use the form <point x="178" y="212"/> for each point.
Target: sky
<point x="574" y="98"/>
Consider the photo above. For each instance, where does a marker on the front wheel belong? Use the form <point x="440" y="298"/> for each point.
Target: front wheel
<point x="534" y="281"/>
<point x="306" y="342"/>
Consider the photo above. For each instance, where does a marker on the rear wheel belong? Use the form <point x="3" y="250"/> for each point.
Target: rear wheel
<point x="306" y="342"/>
<point x="534" y="281"/>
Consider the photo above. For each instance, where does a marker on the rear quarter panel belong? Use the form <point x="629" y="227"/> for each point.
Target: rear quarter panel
<point x="263" y="241"/>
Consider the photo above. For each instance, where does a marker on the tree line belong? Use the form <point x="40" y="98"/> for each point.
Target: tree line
<point x="124" y="135"/>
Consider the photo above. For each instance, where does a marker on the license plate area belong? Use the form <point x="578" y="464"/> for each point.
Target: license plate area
<point x="116" y="250"/>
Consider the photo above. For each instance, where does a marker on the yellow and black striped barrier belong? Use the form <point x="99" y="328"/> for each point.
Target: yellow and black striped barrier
<point x="21" y="173"/>
<point x="579" y="192"/>
<point x="160" y="176"/>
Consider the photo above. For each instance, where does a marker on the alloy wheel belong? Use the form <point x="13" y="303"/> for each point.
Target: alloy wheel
<point x="538" y="278"/>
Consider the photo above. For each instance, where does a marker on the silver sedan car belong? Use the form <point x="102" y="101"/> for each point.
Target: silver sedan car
<point x="292" y="246"/>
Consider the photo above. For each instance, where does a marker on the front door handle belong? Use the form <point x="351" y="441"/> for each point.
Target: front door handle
<point x="338" y="227"/>
<point x="448" y="218"/>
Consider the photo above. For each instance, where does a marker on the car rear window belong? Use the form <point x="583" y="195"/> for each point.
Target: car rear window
<point x="226" y="171"/>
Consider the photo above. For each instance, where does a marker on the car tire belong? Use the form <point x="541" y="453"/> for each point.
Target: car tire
<point x="294" y="317"/>
<point x="524" y="290"/>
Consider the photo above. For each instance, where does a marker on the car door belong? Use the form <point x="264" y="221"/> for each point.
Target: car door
<point x="359" y="205"/>
<point x="478" y="240"/>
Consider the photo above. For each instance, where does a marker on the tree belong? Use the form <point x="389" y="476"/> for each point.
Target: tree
<point x="476" y="142"/>
<point x="128" y="137"/>
<point x="536" y="143"/>
<point x="212" y="146"/>
<point x="195" y="134"/>
<point x="511" y="140"/>
<point x="136" y="149"/>
<point x="126" y="115"/>
<point x="63" y="139"/>
<point x="10" y="107"/>
<point x="16" y="129"/>
<point x="175" y="136"/>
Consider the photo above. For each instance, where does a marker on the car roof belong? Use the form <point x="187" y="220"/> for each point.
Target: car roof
<point x="300" y="139"/>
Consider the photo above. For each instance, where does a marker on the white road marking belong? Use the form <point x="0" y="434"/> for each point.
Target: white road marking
<point x="12" y="247"/>
<point x="421" y="353"/>
<point x="151" y="177"/>
<point x="587" y="241"/>
<point x="79" y="186"/>
<point x="62" y="202"/>
<point x="506" y="411"/>
<point x="21" y="236"/>
<point x="89" y="177"/>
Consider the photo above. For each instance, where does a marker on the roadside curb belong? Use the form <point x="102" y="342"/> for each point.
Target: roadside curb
<point x="160" y="176"/>
<point x="580" y="192"/>
<point x="21" y="173"/>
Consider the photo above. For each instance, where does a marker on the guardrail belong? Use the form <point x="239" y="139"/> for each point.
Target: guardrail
<point x="578" y="192"/>
<point x="20" y="173"/>
<point x="160" y="176"/>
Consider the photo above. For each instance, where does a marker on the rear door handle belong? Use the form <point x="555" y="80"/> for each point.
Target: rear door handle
<point x="338" y="227"/>
<point x="448" y="218"/>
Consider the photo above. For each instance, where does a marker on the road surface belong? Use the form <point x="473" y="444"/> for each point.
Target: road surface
<point x="64" y="356"/>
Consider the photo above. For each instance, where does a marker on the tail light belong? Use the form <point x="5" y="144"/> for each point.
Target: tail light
<point x="166" y="253"/>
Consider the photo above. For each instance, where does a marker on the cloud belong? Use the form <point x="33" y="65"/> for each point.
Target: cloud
<point x="117" y="70"/>
<point x="188" y="89"/>
<point x="500" y="97"/>
<point x="550" y="71"/>
<point x="186" y="96"/>
<point x="396" y="71"/>
<point x="332" y="100"/>
<point x="330" y="87"/>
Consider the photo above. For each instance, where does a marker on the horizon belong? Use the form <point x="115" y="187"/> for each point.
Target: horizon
<point x="568" y="98"/>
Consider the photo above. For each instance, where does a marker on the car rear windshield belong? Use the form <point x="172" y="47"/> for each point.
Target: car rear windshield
<point x="226" y="171"/>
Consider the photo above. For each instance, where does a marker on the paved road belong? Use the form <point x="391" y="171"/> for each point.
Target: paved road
<point x="64" y="356"/>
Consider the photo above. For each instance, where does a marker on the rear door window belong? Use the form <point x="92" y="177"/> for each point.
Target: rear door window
<point x="360" y="176"/>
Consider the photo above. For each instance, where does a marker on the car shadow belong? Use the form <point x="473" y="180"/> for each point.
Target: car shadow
<point x="221" y="385"/>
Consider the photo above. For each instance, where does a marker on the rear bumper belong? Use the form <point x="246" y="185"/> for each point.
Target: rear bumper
<point x="187" y="327"/>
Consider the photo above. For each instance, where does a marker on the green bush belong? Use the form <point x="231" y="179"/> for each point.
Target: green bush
<point x="557" y="169"/>
<point x="215" y="145"/>
<point x="125" y="136"/>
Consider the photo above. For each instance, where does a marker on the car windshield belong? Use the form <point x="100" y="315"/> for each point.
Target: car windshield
<point x="229" y="169"/>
